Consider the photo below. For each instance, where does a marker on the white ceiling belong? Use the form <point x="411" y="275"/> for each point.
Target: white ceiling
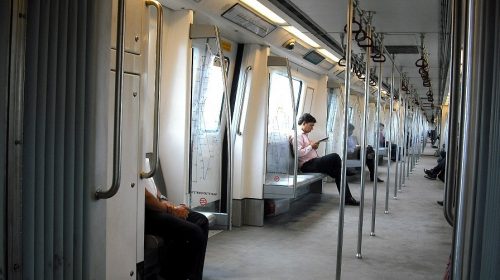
<point x="401" y="22"/>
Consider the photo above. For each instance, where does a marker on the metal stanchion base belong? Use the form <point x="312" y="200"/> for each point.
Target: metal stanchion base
<point x="372" y="233"/>
<point x="358" y="256"/>
<point x="386" y="212"/>
<point x="395" y="197"/>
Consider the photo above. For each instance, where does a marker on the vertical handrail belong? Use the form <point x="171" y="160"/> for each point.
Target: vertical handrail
<point x="389" y="149"/>
<point x="398" y="142"/>
<point x="377" y="144"/>
<point x="227" y="111"/>
<point x="364" y="140"/>
<point x="454" y="112"/>
<point x="156" y="124"/>
<point x="463" y="210"/>
<point x="405" y="142"/>
<point x="347" y="84"/>
<point x="244" y="87"/>
<point x="295" y="127"/>
<point x="117" y="138"/>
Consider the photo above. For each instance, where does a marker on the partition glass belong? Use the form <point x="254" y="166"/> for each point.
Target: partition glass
<point x="279" y="160"/>
<point x="207" y="129"/>
<point x="331" y="114"/>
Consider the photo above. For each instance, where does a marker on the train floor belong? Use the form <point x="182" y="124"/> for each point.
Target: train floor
<point x="412" y="241"/>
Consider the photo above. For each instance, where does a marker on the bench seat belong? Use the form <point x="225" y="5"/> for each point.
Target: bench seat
<point x="353" y="163"/>
<point x="281" y="185"/>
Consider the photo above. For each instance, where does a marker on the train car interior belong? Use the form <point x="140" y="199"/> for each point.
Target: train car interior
<point x="201" y="102"/>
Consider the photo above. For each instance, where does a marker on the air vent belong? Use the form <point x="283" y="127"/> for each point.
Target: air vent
<point x="305" y="21"/>
<point x="402" y="49"/>
<point x="314" y="57"/>
<point x="248" y="20"/>
<point x="326" y="65"/>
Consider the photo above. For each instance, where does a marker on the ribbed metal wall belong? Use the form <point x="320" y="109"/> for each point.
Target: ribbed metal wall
<point x="5" y="8"/>
<point x="477" y="226"/>
<point x="57" y="144"/>
<point x="485" y="243"/>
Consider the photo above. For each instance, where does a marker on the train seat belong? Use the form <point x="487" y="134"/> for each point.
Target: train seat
<point x="279" y="176"/>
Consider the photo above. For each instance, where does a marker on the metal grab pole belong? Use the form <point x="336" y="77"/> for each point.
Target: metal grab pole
<point x="364" y="140"/>
<point x="227" y="112"/>
<point x="340" y="237"/>
<point x="377" y="144"/>
<point x="467" y="118"/>
<point x="156" y="122"/>
<point x="117" y="132"/>
<point x="294" y="115"/>
<point x="453" y="117"/>
<point x="405" y="143"/>
<point x="410" y="136"/>
<point x="398" y="144"/>
<point x="389" y="151"/>
<point x="405" y="152"/>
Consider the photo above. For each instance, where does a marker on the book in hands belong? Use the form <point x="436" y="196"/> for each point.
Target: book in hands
<point x="323" y="139"/>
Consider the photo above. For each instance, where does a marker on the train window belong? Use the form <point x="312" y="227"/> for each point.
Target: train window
<point x="247" y="81"/>
<point x="208" y="90"/>
<point x="297" y="90"/>
<point x="331" y="110"/>
<point x="280" y="105"/>
<point x="349" y="114"/>
<point x="332" y="104"/>
<point x="280" y="82"/>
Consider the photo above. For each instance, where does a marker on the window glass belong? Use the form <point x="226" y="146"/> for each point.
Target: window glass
<point x="331" y="110"/>
<point x="280" y="103"/>
<point x="244" y="107"/>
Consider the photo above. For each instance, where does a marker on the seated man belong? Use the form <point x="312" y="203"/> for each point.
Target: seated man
<point x="353" y="152"/>
<point x="310" y="161"/>
<point x="381" y="135"/>
<point x="187" y="230"/>
<point x="438" y="170"/>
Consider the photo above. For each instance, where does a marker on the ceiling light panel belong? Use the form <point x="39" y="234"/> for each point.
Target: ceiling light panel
<point x="264" y="11"/>
<point x="328" y="55"/>
<point x="297" y="33"/>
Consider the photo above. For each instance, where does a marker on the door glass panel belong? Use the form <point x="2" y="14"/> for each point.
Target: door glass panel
<point x="279" y="165"/>
<point x="331" y="113"/>
<point x="206" y="122"/>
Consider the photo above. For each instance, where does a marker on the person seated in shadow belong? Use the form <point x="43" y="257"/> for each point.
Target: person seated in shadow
<point x="439" y="170"/>
<point x="185" y="232"/>
<point x="354" y="152"/>
<point x="310" y="161"/>
<point x="381" y="135"/>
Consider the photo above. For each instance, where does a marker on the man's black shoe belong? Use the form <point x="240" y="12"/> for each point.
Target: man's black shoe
<point x="440" y="202"/>
<point x="380" y="180"/>
<point x="430" y="177"/>
<point x="351" y="201"/>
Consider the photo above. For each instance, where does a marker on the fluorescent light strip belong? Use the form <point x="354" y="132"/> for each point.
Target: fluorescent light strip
<point x="264" y="11"/>
<point x="328" y="54"/>
<point x="297" y="33"/>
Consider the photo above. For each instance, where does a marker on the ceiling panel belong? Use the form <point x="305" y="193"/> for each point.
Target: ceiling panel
<point x="401" y="21"/>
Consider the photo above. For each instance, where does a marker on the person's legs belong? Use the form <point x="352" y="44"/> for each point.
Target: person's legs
<point x="185" y="257"/>
<point x="437" y="169"/>
<point x="330" y="164"/>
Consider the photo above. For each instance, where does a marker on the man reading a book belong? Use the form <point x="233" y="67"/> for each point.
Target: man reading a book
<point x="310" y="161"/>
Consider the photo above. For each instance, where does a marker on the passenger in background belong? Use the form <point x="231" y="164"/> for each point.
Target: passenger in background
<point x="185" y="232"/>
<point x="381" y="137"/>
<point x="354" y="152"/>
<point x="438" y="170"/>
<point x="310" y="161"/>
